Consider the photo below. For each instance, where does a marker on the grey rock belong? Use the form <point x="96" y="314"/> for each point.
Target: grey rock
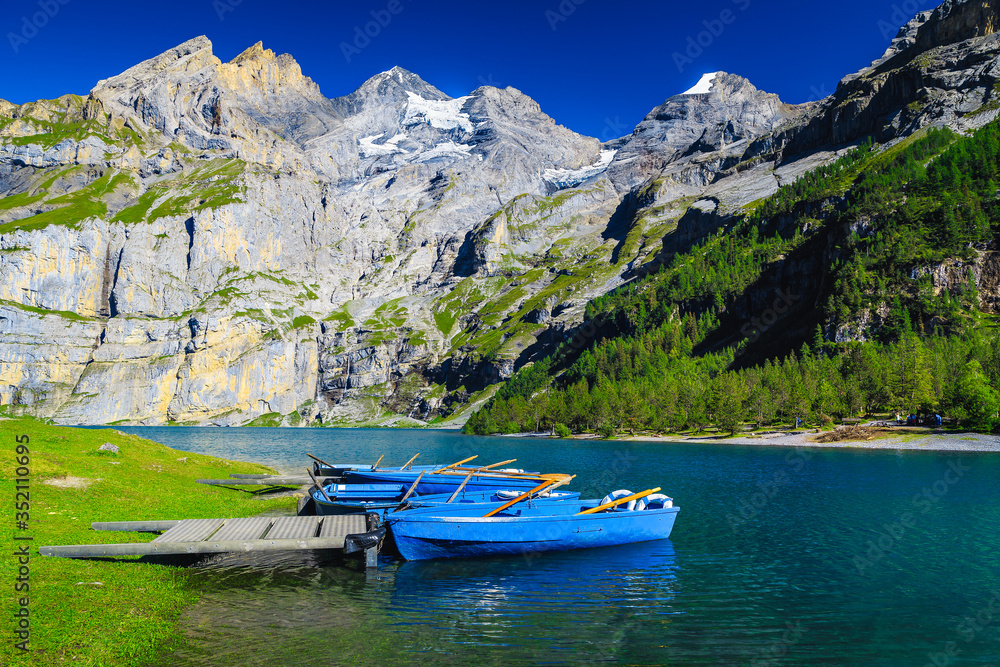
<point x="390" y="253"/>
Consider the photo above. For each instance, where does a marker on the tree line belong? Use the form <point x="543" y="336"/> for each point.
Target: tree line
<point x="894" y="214"/>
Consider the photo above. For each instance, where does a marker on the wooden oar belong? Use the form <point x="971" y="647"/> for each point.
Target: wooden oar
<point x="551" y="483"/>
<point x="407" y="464"/>
<point x="620" y="501"/>
<point x="523" y="496"/>
<point x="377" y="462"/>
<point x="319" y="460"/>
<point x="460" y="487"/>
<point x="492" y="465"/>
<point x="413" y="487"/>
<point x="502" y="463"/>
<point x="491" y="474"/>
<point x="555" y="486"/>
<point x="321" y="489"/>
<point x="469" y="476"/>
<point x="454" y="465"/>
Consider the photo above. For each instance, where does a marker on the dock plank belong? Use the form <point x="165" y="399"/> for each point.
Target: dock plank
<point x="134" y="526"/>
<point x="294" y="528"/>
<point x="343" y="524"/>
<point x="239" y="530"/>
<point x="179" y="548"/>
<point x="211" y="536"/>
<point x="296" y="480"/>
<point x="191" y="530"/>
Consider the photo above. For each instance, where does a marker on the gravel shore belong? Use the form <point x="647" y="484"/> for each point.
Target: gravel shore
<point x="903" y="438"/>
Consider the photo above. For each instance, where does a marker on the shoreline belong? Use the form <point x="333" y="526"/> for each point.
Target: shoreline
<point x="910" y="439"/>
<point x="889" y="438"/>
<point x="928" y="441"/>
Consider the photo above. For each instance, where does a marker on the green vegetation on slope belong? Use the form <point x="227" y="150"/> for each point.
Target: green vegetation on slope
<point x="676" y="347"/>
<point x="210" y="184"/>
<point x="72" y="208"/>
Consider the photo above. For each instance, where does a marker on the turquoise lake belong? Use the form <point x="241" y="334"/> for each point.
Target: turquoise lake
<point x="778" y="557"/>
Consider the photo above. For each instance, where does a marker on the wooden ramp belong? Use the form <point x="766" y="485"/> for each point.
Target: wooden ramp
<point x="214" y="536"/>
<point x="259" y="480"/>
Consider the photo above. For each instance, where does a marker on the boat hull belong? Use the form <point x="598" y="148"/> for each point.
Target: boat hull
<point x="479" y="502"/>
<point x="440" y="483"/>
<point x="423" y="536"/>
<point x="338" y="469"/>
<point x="356" y="498"/>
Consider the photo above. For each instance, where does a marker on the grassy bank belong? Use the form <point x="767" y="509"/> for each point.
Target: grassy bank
<point x="102" y="612"/>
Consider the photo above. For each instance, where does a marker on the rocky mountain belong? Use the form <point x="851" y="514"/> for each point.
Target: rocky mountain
<point x="219" y="243"/>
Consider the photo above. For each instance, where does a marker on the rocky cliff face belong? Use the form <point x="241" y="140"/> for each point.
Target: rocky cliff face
<point x="219" y="243"/>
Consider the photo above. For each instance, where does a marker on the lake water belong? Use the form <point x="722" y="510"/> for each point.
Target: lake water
<point x="778" y="557"/>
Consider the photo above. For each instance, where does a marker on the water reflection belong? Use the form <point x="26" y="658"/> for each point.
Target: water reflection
<point x="577" y="607"/>
<point x="584" y="580"/>
<point x="607" y="596"/>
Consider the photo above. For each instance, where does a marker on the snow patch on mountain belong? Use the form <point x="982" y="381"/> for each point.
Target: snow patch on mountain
<point x="703" y="86"/>
<point x="447" y="150"/>
<point x="368" y="148"/>
<point x="568" y="178"/>
<point x="443" y="115"/>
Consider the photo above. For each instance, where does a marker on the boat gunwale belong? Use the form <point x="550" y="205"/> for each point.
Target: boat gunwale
<point x="432" y="518"/>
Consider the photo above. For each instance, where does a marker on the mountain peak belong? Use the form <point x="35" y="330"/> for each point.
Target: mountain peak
<point x="388" y="88"/>
<point x="398" y="80"/>
<point x="398" y="71"/>
<point x="718" y="83"/>
<point x="255" y="51"/>
<point x="951" y="22"/>
<point x="704" y="84"/>
<point x="187" y="57"/>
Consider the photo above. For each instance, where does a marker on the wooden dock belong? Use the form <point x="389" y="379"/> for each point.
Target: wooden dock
<point x="349" y="532"/>
<point x="259" y="480"/>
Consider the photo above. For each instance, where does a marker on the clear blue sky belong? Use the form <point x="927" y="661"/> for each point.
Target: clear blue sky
<point x="597" y="66"/>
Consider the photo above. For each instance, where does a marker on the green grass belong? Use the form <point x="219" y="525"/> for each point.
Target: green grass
<point x="127" y="619"/>
<point x="208" y="184"/>
<point x="270" y="420"/>
<point x="138" y="211"/>
<point x="417" y="339"/>
<point x="75" y="207"/>
<point x="171" y="207"/>
<point x="16" y="201"/>
<point x="54" y="133"/>
<point x="67" y="314"/>
<point x="342" y="318"/>
<point x="445" y="321"/>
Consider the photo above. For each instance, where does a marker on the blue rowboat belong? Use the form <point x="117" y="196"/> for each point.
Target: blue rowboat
<point x="522" y="529"/>
<point x="338" y="469"/>
<point x="476" y="500"/>
<point x="354" y="498"/>
<point x="445" y="482"/>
